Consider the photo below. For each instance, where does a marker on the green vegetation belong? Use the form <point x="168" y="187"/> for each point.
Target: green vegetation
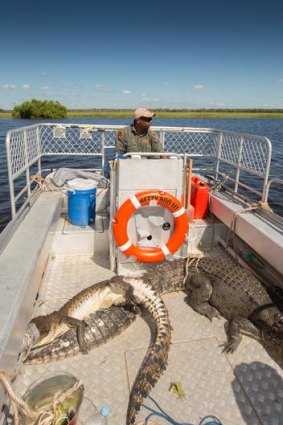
<point x="179" y="113"/>
<point x="160" y="113"/>
<point x="39" y="109"/>
<point x="6" y="114"/>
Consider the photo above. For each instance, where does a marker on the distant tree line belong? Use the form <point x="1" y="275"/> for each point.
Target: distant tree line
<point x="40" y="109"/>
<point x="271" y="110"/>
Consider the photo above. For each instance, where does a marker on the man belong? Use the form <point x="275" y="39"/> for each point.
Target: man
<point x="137" y="137"/>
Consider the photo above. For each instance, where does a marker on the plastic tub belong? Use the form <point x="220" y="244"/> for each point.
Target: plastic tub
<point x="41" y="394"/>
<point x="81" y="201"/>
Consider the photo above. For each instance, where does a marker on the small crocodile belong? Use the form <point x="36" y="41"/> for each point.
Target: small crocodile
<point x="119" y="290"/>
<point x="46" y="328"/>
<point x="164" y="278"/>
<point x="220" y="287"/>
<point x="101" y="326"/>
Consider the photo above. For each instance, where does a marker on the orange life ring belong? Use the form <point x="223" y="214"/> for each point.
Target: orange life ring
<point x="142" y="199"/>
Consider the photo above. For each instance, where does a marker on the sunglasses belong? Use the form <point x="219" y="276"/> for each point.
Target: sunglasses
<point x="146" y="119"/>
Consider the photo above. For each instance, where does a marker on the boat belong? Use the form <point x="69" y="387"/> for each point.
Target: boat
<point x="46" y="259"/>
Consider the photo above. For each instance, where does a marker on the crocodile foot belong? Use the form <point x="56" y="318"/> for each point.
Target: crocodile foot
<point x="199" y="292"/>
<point x="80" y="327"/>
<point x="230" y="347"/>
<point x="236" y="328"/>
<point x="204" y="308"/>
<point x="278" y="320"/>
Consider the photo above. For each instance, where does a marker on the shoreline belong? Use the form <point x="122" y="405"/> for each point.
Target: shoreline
<point x="166" y="114"/>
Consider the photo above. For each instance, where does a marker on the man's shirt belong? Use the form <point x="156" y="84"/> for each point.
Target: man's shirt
<point x="128" y="140"/>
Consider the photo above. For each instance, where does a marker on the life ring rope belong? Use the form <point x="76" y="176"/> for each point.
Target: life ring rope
<point x="149" y="198"/>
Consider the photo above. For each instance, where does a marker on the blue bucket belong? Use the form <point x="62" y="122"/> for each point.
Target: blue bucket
<point x="81" y="203"/>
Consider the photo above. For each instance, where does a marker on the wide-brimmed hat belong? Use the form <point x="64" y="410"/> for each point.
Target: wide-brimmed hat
<point x="143" y="112"/>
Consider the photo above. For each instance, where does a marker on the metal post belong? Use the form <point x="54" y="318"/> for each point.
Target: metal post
<point x="238" y="168"/>
<point x="218" y="154"/>
<point x="10" y="174"/>
<point x="27" y="164"/>
<point x="38" y="143"/>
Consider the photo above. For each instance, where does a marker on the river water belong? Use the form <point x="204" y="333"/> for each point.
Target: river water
<point x="269" y="127"/>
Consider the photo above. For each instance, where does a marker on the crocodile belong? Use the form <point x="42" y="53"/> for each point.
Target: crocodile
<point x="164" y="278"/>
<point x="119" y="290"/>
<point x="46" y="328"/>
<point x="220" y="287"/>
<point x="101" y="326"/>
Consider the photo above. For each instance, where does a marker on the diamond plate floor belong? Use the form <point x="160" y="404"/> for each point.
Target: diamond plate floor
<point x="245" y="388"/>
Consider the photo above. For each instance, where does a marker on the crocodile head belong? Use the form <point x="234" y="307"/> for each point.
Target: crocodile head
<point x="40" y="331"/>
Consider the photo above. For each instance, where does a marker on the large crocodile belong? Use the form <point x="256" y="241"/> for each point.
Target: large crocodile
<point x="220" y="287"/>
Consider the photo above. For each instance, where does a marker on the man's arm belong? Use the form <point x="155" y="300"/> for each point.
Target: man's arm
<point x="120" y="142"/>
<point x="156" y="146"/>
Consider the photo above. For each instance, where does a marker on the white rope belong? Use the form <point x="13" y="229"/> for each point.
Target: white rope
<point x="16" y="402"/>
<point x="188" y="263"/>
<point x="43" y="417"/>
<point x="232" y="227"/>
<point x="44" y="184"/>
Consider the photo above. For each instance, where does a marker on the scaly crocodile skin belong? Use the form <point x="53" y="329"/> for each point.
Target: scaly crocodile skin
<point x="101" y="327"/>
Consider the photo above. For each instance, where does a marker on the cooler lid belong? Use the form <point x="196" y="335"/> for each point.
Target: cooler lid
<point x="81" y="184"/>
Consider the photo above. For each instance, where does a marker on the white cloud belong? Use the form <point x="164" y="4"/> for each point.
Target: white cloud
<point x="199" y="87"/>
<point x="45" y="74"/>
<point x="281" y="80"/>
<point x="99" y="87"/>
<point x="217" y="103"/>
<point x="127" y="92"/>
<point x="8" y="87"/>
<point x="25" y="86"/>
<point x="75" y="87"/>
<point x="149" y="99"/>
<point x="44" y="88"/>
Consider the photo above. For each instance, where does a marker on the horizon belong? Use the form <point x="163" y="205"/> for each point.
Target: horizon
<point x="162" y="55"/>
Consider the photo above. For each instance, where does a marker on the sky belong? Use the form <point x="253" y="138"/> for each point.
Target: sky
<point x="126" y="54"/>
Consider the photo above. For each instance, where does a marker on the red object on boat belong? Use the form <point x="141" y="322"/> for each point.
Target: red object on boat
<point x="199" y="197"/>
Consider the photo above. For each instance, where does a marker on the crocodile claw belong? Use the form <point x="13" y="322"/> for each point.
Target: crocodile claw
<point x="278" y="319"/>
<point x="229" y="347"/>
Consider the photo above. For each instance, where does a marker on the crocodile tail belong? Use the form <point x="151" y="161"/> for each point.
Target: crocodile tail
<point x="156" y="358"/>
<point x="167" y="277"/>
<point x="101" y="326"/>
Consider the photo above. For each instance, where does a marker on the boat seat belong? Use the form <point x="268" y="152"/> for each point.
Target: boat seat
<point x="22" y="265"/>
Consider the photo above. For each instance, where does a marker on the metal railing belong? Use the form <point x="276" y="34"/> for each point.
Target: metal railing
<point x="222" y="152"/>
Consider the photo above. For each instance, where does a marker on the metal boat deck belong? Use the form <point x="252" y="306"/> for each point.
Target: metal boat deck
<point x="239" y="389"/>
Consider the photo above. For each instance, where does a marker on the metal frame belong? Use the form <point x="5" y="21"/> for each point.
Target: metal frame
<point x="27" y="146"/>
